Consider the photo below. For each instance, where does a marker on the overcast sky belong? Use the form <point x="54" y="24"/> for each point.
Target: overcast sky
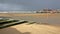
<point x="29" y="4"/>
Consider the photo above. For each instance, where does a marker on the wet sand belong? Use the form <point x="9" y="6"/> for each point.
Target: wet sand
<point x="49" y="28"/>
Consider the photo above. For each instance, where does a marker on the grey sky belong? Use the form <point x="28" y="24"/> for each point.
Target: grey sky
<point x="29" y="4"/>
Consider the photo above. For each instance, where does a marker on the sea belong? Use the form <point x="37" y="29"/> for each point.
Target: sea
<point x="17" y="11"/>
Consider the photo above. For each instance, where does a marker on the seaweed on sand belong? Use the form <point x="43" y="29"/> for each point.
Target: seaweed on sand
<point x="5" y="23"/>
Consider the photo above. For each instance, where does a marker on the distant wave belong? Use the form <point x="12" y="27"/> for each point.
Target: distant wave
<point x="17" y="11"/>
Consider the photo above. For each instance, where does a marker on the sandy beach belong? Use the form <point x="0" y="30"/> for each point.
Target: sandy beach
<point x="48" y="24"/>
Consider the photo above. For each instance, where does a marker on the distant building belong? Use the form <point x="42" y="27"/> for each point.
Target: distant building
<point x="47" y="11"/>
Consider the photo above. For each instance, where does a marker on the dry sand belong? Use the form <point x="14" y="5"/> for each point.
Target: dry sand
<point x="32" y="28"/>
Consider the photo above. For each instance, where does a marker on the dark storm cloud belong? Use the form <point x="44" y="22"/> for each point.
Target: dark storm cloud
<point x="28" y="4"/>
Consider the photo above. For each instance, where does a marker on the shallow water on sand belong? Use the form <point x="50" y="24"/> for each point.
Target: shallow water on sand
<point x="51" y="19"/>
<point x="55" y="19"/>
<point x="39" y="18"/>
